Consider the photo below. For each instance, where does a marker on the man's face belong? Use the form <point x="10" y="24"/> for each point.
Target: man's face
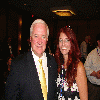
<point x="39" y="39"/>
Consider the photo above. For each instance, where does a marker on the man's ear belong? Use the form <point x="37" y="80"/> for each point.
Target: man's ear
<point x="30" y="38"/>
<point x="47" y="39"/>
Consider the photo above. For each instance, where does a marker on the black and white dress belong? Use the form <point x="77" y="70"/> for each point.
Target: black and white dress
<point x="63" y="91"/>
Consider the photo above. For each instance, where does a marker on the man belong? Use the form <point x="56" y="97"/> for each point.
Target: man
<point x="92" y="66"/>
<point x="83" y="48"/>
<point x="24" y="81"/>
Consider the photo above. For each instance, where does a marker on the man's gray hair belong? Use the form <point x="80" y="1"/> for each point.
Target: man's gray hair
<point x="36" y="22"/>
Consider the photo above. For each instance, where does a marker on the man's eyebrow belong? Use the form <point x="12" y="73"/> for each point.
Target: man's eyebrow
<point x="35" y="34"/>
<point x="43" y="35"/>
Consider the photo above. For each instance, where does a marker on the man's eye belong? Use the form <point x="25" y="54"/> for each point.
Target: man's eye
<point x="35" y="36"/>
<point x="43" y="37"/>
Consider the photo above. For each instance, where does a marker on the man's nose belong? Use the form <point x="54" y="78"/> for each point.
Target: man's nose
<point x="39" y="41"/>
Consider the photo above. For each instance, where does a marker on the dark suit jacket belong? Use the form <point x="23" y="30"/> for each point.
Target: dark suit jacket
<point x="23" y="81"/>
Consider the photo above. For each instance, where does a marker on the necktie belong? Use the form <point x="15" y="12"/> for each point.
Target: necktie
<point x="42" y="80"/>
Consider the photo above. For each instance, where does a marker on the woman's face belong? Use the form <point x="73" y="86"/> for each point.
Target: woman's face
<point x="64" y="44"/>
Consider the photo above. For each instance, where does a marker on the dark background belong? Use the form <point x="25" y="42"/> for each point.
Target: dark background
<point x="85" y="22"/>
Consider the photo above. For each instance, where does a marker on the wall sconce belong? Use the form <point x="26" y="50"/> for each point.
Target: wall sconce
<point x="20" y="21"/>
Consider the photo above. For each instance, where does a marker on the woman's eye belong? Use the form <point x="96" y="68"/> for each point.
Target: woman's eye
<point x="66" y="40"/>
<point x="60" y="40"/>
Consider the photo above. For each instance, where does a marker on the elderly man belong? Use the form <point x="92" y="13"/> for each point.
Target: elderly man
<point x="33" y="75"/>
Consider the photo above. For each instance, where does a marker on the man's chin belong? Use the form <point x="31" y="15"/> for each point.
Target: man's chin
<point x="39" y="54"/>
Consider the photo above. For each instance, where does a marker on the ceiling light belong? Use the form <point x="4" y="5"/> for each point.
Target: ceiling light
<point x="63" y="11"/>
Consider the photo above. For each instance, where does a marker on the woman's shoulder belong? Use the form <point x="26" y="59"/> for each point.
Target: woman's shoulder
<point x="80" y="70"/>
<point x="80" y="66"/>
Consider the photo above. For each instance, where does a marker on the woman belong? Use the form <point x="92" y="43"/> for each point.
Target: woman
<point x="71" y="81"/>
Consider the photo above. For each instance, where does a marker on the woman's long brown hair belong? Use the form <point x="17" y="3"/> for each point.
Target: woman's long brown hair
<point x="73" y="55"/>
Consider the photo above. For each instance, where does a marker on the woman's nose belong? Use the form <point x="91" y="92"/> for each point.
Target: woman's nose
<point x="63" y="43"/>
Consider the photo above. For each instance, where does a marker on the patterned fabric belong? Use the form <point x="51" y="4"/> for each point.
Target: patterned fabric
<point x="63" y="91"/>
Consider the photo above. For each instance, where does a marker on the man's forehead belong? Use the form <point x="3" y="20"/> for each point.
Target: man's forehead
<point x="39" y="27"/>
<point x="39" y="24"/>
<point x="39" y="34"/>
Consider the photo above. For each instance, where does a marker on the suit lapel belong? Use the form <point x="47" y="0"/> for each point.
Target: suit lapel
<point x="52" y="72"/>
<point x="32" y="66"/>
<point x="34" y="74"/>
<point x="49" y="62"/>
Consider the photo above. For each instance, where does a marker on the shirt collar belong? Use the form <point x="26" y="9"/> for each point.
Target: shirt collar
<point x="36" y="58"/>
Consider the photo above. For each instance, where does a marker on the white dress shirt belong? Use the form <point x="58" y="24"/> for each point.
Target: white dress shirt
<point x="92" y="63"/>
<point x="44" y="65"/>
